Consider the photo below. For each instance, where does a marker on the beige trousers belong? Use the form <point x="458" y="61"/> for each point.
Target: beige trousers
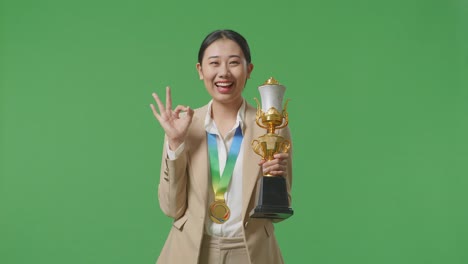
<point x="222" y="250"/>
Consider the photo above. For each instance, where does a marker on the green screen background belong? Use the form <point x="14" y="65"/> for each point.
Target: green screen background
<point x="378" y="112"/>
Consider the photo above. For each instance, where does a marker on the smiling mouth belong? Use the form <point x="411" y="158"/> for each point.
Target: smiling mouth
<point x="224" y="85"/>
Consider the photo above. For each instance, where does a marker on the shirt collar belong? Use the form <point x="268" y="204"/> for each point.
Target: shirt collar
<point x="210" y="125"/>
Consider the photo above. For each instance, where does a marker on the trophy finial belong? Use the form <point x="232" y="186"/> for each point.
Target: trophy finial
<point x="271" y="81"/>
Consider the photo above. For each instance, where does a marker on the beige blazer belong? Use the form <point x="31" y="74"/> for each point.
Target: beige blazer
<point x="184" y="192"/>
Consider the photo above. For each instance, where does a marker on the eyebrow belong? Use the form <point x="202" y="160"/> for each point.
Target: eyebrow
<point x="230" y="56"/>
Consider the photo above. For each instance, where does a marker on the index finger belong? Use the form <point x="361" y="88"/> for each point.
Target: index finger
<point x="281" y="156"/>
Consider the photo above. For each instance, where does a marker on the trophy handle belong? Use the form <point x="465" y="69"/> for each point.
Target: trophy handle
<point x="285" y="146"/>
<point x="259" y="114"/>
<point x="257" y="148"/>
<point x="285" y="115"/>
<point x="286" y="106"/>
<point x="259" y="108"/>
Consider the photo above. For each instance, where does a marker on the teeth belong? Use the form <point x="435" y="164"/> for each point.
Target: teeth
<point x="224" y="84"/>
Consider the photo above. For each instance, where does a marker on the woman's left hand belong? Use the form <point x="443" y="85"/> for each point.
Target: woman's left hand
<point x="276" y="167"/>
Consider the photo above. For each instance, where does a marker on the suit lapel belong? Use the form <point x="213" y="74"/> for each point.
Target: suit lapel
<point x="199" y="154"/>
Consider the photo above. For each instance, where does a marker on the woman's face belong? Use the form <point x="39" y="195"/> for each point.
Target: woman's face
<point x="224" y="71"/>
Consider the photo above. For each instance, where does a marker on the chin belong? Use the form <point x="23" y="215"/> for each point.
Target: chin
<point x="227" y="99"/>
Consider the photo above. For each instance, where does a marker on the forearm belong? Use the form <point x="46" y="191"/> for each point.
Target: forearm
<point x="172" y="189"/>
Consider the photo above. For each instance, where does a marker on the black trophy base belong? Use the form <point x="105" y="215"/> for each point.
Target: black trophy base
<point x="273" y="202"/>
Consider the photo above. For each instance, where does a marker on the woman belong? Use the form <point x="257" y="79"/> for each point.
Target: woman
<point x="206" y="185"/>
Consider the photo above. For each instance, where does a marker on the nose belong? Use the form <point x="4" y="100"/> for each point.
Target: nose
<point x="224" y="71"/>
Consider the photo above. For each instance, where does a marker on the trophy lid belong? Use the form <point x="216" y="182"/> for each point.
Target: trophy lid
<point x="271" y="80"/>
<point x="272" y="93"/>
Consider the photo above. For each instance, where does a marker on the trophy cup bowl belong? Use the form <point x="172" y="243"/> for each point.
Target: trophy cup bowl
<point x="272" y="201"/>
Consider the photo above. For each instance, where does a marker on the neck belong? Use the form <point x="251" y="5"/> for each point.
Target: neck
<point x="222" y="111"/>
<point x="225" y="115"/>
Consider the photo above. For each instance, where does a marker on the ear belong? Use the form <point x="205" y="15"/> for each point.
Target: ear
<point x="250" y="68"/>
<point x="199" y="69"/>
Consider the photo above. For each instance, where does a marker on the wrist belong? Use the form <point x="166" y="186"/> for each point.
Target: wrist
<point x="174" y="143"/>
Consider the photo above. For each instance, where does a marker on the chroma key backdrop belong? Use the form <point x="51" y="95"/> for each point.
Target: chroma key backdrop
<point x="378" y="115"/>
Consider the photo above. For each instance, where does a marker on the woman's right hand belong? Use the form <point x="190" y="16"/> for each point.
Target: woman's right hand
<point x="175" y="125"/>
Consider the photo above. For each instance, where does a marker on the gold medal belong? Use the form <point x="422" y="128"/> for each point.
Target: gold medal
<point x="219" y="212"/>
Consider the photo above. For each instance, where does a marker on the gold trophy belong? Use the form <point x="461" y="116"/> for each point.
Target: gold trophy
<point x="272" y="201"/>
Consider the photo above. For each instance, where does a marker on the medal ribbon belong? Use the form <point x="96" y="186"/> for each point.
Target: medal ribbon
<point x="221" y="182"/>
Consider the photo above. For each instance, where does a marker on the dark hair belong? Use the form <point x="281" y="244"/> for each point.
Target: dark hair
<point x="227" y="34"/>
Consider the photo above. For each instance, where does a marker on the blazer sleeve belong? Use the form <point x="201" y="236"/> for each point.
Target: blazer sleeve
<point x="172" y="189"/>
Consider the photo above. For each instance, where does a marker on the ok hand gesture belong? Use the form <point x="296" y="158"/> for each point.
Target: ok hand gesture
<point x="174" y="124"/>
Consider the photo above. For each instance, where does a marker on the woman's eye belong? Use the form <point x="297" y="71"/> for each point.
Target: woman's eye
<point x="214" y="63"/>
